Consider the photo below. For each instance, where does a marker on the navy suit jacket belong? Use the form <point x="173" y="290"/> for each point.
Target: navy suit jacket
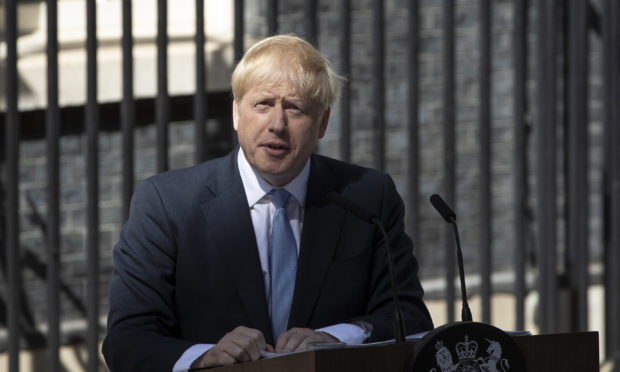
<point x="187" y="270"/>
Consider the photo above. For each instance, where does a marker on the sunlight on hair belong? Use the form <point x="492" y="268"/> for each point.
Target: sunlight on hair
<point x="288" y="59"/>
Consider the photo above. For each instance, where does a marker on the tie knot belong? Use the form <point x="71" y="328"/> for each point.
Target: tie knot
<point x="280" y="198"/>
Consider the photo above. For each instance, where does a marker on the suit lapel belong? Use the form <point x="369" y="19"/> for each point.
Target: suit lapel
<point x="230" y="226"/>
<point x="321" y="231"/>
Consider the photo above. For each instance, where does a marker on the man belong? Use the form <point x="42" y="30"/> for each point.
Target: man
<point x="244" y="254"/>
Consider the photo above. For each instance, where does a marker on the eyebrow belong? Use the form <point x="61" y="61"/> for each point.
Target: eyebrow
<point x="260" y="96"/>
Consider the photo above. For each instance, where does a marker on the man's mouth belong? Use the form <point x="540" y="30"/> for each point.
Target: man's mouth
<point x="276" y="149"/>
<point x="276" y="146"/>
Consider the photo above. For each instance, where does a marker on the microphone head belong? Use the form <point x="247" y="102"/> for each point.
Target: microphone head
<point x="444" y="210"/>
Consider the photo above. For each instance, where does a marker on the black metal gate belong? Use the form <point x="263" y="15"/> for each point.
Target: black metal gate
<point x="557" y="113"/>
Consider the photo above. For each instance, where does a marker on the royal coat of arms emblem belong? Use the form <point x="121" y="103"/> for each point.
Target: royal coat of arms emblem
<point x="468" y="359"/>
<point x="467" y="347"/>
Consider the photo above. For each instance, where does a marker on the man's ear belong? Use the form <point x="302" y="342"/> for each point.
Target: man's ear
<point x="235" y="115"/>
<point x="324" y="121"/>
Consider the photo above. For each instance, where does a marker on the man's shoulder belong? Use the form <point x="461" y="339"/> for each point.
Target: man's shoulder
<point x="347" y="171"/>
<point x="195" y="175"/>
<point x="362" y="185"/>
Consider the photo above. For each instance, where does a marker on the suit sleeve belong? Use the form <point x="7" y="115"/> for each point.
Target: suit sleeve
<point x="380" y="305"/>
<point x="142" y="321"/>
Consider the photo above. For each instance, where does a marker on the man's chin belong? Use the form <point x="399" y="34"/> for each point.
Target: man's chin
<point x="276" y="177"/>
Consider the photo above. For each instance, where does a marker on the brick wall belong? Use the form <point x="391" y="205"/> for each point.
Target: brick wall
<point x="430" y="243"/>
<point x="33" y="212"/>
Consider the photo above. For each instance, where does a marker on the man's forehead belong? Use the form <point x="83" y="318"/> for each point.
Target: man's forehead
<point x="279" y="90"/>
<point x="274" y="87"/>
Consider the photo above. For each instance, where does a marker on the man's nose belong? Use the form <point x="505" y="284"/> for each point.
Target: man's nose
<point x="278" y="119"/>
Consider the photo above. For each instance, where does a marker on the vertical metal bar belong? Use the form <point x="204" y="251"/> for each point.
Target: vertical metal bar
<point x="163" y="102"/>
<point x="520" y="156"/>
<point x="272" y="17"/>
<point x="239" y="30"/>
<point x="485" y="160"/>
<point x="345" y="100"/>
<point x="92" y="187"/>
<point x="546" y="167"/>
<point x="127" y="110"/>
<point x="611" y="112"/>
<point x="13" y="264"/>
<point x="200" y="98"/>
<point x="414" y="140"/>
<point x="449" y="147"/>
<point x="378" y="85"/>
<point x="578" y="212"/>
<point x="310" y="21"/>
<point x="238" y="46"/>
<point x="52" y="127"/>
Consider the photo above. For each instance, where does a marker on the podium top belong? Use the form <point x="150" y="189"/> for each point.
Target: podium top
<point x="543" y="353"/>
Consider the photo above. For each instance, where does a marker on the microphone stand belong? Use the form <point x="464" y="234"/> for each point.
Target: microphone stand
<point x="465" y="312"/>
<point x="399" y="321"/>
<point x="362" y="213"/>
<point x="446" y="212"/>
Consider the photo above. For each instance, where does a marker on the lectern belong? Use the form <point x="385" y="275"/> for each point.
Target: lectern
<point x="576" y="352"/>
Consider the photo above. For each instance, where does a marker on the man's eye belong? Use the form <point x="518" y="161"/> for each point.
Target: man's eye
<point x="295" y="109"/>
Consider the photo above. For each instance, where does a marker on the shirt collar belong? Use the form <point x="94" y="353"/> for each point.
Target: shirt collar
<point x="256" y="187"/>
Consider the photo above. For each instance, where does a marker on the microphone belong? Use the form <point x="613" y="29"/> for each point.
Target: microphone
<point x="434" y="351"/>
<point x="444" y="210"/>
<point x="362" y="213"/>
<point x="448" y="214"/>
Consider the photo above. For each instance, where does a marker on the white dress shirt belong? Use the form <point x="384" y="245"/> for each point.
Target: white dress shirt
<point x="262" y="211"/>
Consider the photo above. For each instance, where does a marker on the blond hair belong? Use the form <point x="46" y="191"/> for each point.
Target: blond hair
<point x="288" y="59"/>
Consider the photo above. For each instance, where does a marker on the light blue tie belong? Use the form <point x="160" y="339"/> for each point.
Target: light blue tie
<point x="283" y="264"/>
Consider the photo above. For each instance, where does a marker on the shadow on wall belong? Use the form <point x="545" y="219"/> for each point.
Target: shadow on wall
<point x="31" y="337"/>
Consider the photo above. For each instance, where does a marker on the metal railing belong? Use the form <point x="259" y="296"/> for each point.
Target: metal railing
<point x="541" y="115"/>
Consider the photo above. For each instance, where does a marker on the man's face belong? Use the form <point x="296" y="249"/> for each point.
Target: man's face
<point x="277" y="130"/>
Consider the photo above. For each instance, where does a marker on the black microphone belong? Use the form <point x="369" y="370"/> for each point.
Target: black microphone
<point x="362" y="213"/>
<point x="446" y="212"/>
